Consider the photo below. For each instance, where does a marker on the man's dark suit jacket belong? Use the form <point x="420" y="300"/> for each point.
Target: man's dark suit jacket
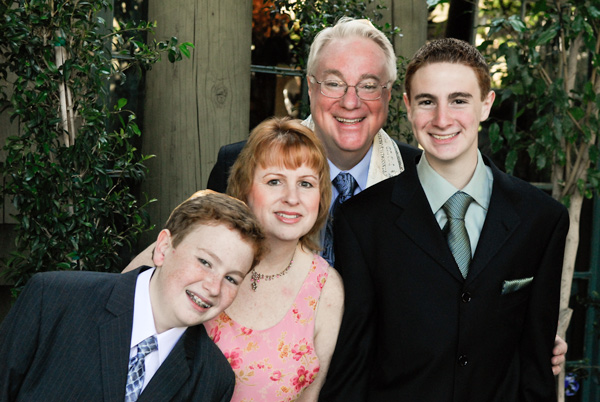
<point x="219" y="174"/>
<point x="67" y="338"/>
<point x="217" y="180"/>
<point x="428" y="334"/>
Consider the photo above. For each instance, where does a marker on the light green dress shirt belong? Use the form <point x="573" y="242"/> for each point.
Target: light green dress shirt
<point x="438" y="190"/>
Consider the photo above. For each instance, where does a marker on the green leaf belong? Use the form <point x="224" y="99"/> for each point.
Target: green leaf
<point x="60" y="41"/>
<point x="594" y="11"/>
<point x="511" y="161"/>
<point x="184" y="49"/>
<point x="541" y="161"/>
<point x="121" y="103"/>
<point x="495" y="139"/>
<point x="546" y="36"/>
<point x="589" y="93"/>
<point x="577" y="113"/>
<point x="516" y="23"/>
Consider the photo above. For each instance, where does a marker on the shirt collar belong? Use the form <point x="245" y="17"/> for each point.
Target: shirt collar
<point x="360" y="171"/>
<point x="479" y="187"/>
<point x="438" y="190"/>
<point x="143" y="319"/>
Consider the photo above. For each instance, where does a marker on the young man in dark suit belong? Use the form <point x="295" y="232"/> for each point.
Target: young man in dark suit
<point x="70" y="335"/>
<point x="445" y="306"/>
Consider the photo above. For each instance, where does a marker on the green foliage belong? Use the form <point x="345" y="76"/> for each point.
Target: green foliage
<point x="70" y="178"/>
<point x="310" y="17"/>
<point x="549" y="66"/>
<point x="397" y="124"/>
<point x="307" y="18"/>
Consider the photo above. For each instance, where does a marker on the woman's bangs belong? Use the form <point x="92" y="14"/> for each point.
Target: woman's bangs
<point x="291" y="157"/>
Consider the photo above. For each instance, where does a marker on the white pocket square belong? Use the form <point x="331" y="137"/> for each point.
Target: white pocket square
<point x="515" y="284"/>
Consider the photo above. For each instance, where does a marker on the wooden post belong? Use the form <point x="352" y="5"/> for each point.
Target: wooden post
<point x="197" y="105"/>
<point x="411" y="17"/>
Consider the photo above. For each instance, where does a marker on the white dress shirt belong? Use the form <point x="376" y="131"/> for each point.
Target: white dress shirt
<point x="143" y="327"/>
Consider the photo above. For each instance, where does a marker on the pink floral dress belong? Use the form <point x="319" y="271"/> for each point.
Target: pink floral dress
<point x="277" y="363"/>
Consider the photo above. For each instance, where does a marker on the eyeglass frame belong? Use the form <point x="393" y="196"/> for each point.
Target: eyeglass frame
<point x="384" y="86"/>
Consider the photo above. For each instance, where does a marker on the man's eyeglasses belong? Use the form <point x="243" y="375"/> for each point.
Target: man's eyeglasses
<point x="366" y="90"/>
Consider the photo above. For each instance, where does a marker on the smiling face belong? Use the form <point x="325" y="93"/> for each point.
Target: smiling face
<point x="445" y="109"/>
<point x="285" y="201"/>
<point x="348" y="125"/>
<point x="198" y="279"/>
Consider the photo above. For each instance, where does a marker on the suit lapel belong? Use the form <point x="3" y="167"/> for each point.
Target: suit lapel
<point x="115" y="337"/>
<point x="417" y="221"/>
<point x="502" y="220"/>
<point x="175" y="371"/>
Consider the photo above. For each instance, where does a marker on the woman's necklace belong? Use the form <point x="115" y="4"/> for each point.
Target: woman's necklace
<point x="256" y="277"/>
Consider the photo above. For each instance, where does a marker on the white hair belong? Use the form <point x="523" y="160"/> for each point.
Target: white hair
<point x="348" y="27"/>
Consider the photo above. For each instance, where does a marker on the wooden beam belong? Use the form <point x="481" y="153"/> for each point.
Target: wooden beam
<point x="195" y="106"/>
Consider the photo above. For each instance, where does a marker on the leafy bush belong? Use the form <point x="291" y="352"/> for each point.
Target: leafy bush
<point x="70" y="178"/>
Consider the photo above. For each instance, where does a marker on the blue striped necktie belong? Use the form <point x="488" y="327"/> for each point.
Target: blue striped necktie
<point x="345" y="185"/>
<point x="458" y="238"/>
<point x="137" y="370"/>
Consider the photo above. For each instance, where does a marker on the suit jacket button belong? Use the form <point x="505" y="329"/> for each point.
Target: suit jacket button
<point x="466" y="297"/>
<point x="463" y="361"/>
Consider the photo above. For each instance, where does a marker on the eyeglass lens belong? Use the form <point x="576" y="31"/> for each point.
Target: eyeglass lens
<point x="366" y="90"/>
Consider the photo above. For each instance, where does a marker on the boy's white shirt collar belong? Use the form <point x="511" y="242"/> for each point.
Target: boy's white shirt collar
<point x="143" y="320"/>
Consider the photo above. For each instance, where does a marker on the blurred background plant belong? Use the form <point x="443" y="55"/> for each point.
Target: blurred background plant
<point x="546" y="56"/>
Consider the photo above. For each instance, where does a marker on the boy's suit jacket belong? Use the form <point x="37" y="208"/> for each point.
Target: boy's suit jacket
<point x="428" y="334"/>
<point x="67" y="338"/>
